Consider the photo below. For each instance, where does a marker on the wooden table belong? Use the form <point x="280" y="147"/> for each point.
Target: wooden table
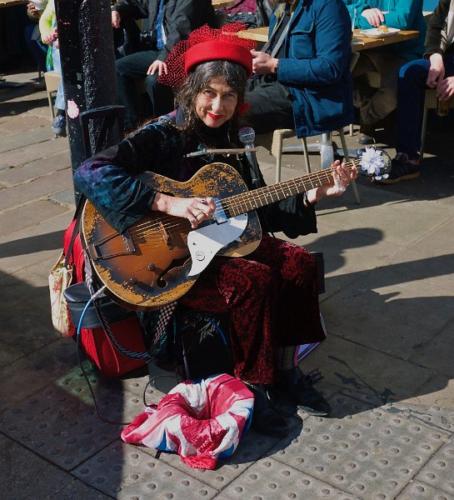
<point x="11" y="3"/>
<point x="221" y="4"/>
<point x="359" y="42"/>
<point x="256" y="34"/>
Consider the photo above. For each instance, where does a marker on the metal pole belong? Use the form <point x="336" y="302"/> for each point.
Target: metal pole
<point x="88" y="71"/>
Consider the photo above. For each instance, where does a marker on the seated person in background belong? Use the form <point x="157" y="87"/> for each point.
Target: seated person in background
<point x="49" y="36"/>
<point x="33" y="36"/>
<point x="376" y="104"/>
<point x="166" y="22"/>
<point x="270" y="296"/>
<point x="251" y="13"/>
<point x="126" y="33"/>
<point x="435" y="71"/>
<point x="302" y="77"/>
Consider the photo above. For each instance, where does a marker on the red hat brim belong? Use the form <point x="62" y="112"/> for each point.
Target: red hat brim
<point x="215" y="50"/>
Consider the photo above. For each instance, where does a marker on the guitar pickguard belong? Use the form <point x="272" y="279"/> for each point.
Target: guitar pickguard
<point x="206" y="241"/>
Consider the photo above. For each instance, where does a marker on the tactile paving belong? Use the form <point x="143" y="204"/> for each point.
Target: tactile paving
<point x="434" y="416"/>
<point x="421" y="491"/>
<point x="269" y="478"/>
<point x="252" y="447"/>
<point x="125" y="472"/>
<point x="370" y="452"/>
<point x="62" y="428"/>
<point x="439" y="471"/>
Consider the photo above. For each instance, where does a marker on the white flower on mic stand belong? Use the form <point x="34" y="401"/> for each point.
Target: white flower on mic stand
<point x="373" y="163"/>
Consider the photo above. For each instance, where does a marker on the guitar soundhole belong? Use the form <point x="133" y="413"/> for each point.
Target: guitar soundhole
<point x="161" y="282"/>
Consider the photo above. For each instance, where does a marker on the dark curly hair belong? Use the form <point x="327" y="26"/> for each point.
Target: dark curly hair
<point x="235" y="76"/>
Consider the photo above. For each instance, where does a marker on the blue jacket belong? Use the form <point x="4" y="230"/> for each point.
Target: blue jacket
<point x="402" y="14"/>
<point x="316" y="66"/>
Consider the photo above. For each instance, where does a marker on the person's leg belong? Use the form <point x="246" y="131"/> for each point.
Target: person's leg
<point x="297" y="316"/>
<point x="384" y="99"/>
<point x="129" y="69"/>
<point x="36" y="48"/>
<point x="60" y="97"/>
<point x="411" y="92"/>
<point x="161" y="96"/>
<point x="59" y="122"/>
<point x="245" y="289"/>
<point x="270" y="106"/>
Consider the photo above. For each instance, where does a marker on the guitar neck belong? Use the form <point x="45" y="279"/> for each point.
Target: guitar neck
<point x="257" y="198"/>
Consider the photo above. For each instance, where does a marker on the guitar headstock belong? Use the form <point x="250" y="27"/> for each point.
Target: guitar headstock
<point x="375" y="163"/>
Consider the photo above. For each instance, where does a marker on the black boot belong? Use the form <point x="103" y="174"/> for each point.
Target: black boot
<point x="299" y="388"/>
<point x="266" y="420"/>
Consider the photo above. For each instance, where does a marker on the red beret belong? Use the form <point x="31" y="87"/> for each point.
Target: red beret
<point x="214" y="50"/>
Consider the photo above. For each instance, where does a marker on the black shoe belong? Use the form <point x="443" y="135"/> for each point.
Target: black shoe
<point x="401" y="170"/>
<point x="299" y="388"/>
<point x="59" y="125"/>
<point x="266" y="420"/>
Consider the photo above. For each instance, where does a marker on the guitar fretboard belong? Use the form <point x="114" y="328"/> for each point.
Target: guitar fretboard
<point x="251" y="200"/>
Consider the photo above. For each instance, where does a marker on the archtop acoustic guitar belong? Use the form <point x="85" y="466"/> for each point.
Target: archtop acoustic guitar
<point x="157" y="260"/>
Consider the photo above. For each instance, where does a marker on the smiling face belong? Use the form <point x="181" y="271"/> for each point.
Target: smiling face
<point x="216" y="103"/>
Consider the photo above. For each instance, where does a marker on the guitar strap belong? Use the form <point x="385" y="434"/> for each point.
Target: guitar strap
<point x="76" y="228"/>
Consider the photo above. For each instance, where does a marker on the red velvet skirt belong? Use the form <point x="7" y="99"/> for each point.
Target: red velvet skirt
<point x="271" y="299"/>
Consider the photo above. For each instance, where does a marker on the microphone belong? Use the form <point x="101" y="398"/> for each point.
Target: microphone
<point x="246" y="135"/>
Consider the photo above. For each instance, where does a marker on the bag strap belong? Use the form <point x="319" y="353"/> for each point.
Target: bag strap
<point x="77" y="214"/>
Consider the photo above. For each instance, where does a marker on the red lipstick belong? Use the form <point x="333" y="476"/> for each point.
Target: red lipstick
<point x="214" y="116"/>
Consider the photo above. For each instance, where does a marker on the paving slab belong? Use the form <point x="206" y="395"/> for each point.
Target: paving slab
<point x="41" y="187"/>
<point x="23" y="475"/>
<point x="421" y="491"/>
<point x="437" y="391"/>
<point x="438" y="472"/>
<point x="437" y="266"/>
<point x="436" y="353"/>
<point x="433" y="416"/>
<point x="78" y="490"/>
<point x="269" y="478"/>
<point x="368" y="310"/>
<point x="31" y="214"/>
<point x="17" y="125"/>
<point x="252" y="447"/>
<point x="368" y="375"/>
<point x="125" y="472"/>
<point x="42" y="167"/>
<point x="33" y="245"/>
<point x="32" y="152"/>
<point x="26" y="138"/>
<point x="395" y="219"/>
<point x="60" y="427"/>
<point x="370" y="453"/>
<point x="34" y="372"/>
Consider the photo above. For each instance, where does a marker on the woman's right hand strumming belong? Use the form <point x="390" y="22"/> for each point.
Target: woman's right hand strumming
<point x="196" y="210"/>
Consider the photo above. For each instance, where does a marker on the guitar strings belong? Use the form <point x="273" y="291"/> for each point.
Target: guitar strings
<point x="237" y="201"/>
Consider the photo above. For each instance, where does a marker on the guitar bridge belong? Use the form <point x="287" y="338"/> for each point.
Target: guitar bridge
<point x="112" y="245"/>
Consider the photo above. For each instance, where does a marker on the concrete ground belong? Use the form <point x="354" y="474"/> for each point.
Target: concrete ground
<point x="388" y="360"/>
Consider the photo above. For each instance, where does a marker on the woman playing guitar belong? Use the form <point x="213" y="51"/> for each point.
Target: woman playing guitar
<point x="271" y="295"/>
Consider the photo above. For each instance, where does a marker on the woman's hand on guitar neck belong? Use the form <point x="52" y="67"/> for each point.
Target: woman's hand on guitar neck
<point x="342" y="176"/>
<point x="196" y="210"/>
